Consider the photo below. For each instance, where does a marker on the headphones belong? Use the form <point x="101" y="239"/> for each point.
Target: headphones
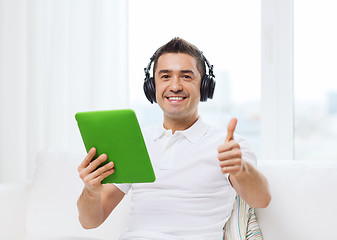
<point x="206" y="88"/>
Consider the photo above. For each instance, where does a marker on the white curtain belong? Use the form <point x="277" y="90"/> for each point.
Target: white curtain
<point x="57" y="57"/>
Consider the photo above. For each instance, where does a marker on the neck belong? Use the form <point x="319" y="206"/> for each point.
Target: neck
<point x="176" y="124"/>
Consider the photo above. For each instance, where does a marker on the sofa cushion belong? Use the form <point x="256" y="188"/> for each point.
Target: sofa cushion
<point x="304" y="196"/>
<point x="52" y="210"/>
<point x="242" y="223"/>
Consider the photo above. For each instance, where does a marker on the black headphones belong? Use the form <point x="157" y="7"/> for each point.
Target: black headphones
<point x="206" y="88"/>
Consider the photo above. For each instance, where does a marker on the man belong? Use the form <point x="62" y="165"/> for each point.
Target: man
<point x="199" y="169"/>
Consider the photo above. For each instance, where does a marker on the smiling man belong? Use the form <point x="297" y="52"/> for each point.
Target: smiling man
<point x="199" y="168"/>
<point x="177" y="81"/>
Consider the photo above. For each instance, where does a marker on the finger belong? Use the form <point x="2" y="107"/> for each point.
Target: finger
<point x="87" y="159"/>
<point x="233" y="154"/>
<point x="97" y="182"/>
<point x="231" y="170"/>
<point x="105" y="174"/>
<point x="230" y="163"/>
<point x="94" y="164"/>
<point x="228" y="146"/>
<point x="85" y="171"/>
<point x="102" y="170"/>
<point x="230" y="129"/>
<point x="97" y="176"/>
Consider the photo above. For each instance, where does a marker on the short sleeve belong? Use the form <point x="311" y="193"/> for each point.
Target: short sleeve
<point x="247" y="151"/>
<point x="124" y="187"/>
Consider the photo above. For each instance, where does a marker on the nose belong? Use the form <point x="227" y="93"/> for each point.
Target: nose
<point x="175" y="84"/>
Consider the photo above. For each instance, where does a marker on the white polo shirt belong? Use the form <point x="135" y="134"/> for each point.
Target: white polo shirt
<point x="191" y="198"/>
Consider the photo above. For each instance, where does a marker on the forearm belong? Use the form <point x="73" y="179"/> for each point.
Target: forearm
<point x="90" y="208"/>
<point x="252" y="186"/>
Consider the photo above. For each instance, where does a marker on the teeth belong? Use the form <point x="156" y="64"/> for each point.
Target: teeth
<point x="176" y="98"/>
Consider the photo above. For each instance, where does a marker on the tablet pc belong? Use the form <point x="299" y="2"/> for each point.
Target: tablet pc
<point x="117" y="134"/>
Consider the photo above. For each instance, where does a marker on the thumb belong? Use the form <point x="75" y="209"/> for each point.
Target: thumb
<point x="230" y="129"/>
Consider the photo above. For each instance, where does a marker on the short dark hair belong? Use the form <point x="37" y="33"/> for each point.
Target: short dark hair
<point x="179" y="45"/>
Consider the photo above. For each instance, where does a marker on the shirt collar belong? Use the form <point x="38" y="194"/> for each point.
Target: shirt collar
<point x="192" y="134"/>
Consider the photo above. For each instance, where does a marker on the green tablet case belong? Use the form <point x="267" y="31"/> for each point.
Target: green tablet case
<point x="117" y="134"/>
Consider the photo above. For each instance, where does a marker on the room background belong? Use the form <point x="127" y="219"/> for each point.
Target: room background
<point x="274" y="67"/>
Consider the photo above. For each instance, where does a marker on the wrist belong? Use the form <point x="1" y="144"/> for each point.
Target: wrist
<point x="91" y="193"/>
<point x="244" y="171"/>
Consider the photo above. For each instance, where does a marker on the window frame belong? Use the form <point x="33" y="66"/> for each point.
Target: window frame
<point x="277" y="91"/>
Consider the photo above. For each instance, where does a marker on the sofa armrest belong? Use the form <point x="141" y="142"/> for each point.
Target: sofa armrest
<point x="304" y="197"/>
<point x="13" y="203"/>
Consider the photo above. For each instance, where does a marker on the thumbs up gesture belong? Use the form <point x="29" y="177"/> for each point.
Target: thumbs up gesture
<point x="229" y="153"/>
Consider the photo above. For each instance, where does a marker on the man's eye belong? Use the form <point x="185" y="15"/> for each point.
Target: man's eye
<point x="186" y="76"/>
<point x="165" y="76"/>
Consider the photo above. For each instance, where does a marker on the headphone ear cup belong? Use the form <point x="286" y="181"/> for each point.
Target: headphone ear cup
<point x="207" y="88"/>
<point x="211" y="87"/>
<point x="203" y="90"/>
<point x="150" y="89"/>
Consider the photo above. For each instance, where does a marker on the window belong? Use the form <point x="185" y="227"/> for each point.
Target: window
<point x="228" y="33"/>
<point x="315" y="79"/>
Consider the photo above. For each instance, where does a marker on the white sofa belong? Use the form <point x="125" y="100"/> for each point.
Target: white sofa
<point x="303" y="206"/>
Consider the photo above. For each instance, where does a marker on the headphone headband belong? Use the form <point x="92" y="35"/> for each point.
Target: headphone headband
<point x="210" y="67"/>
<point x="147" y="69"/>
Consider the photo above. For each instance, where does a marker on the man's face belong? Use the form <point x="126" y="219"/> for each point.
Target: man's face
<point x="178" y="83"/>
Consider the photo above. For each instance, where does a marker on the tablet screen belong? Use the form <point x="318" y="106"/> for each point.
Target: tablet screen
<point x="117" y="134"/>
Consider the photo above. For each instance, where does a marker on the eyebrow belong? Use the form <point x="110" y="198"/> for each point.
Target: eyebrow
<point x="187" y="71"/>
<point x="168" y="71"/>
<point x="164" y="71"/>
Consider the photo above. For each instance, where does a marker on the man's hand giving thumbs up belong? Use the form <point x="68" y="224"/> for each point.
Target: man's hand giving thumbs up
<point x="229" y="153"/>
<point x="247" y="181"/>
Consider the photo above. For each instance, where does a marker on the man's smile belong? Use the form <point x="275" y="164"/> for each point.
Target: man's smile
<point x="175" y="98"/>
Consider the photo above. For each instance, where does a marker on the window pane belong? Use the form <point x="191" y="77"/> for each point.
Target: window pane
<point x="228" y="33"/>
<point x="315" y="79"/>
